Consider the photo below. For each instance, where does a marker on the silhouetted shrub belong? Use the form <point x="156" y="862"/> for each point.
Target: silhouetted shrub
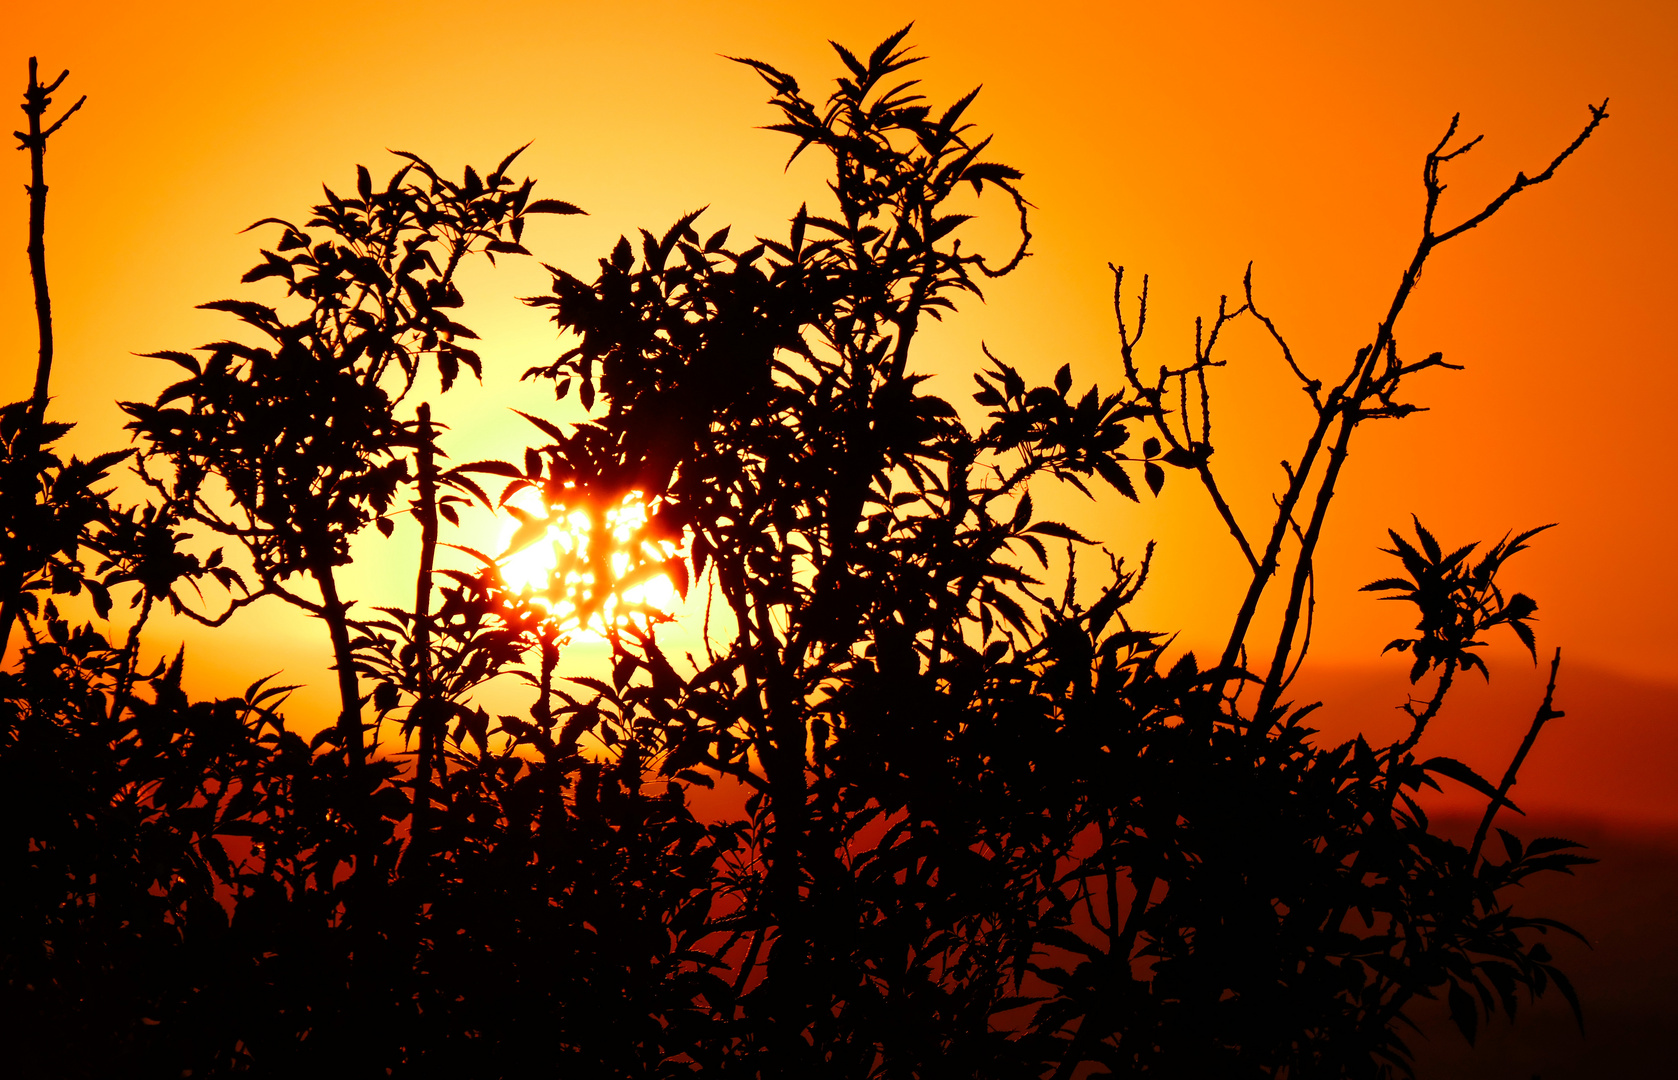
<point x="987" y="826"/>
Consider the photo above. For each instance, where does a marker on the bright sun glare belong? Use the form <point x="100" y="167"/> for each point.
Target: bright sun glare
<point x="556" y="568"/>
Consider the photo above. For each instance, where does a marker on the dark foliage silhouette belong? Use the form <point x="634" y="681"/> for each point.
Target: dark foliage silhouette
<point x="985" y="826"/>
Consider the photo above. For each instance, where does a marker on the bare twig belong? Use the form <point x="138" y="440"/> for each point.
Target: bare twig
<point x="1546" y="713"/>
<point x="1599" y="113"/>
<point x="1363" y="383"/>
<point x="430" y="737"/>
<point x="1312" y="387"/>
<point x="36" y="99"/>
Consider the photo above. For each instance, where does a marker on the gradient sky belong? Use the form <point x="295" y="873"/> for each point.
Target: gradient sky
<point x="1181" y="140"/>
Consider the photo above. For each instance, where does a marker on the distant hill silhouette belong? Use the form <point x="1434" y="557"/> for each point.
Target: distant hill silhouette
<point x="1602" y="776"/>
<point x="1611" y="759"/>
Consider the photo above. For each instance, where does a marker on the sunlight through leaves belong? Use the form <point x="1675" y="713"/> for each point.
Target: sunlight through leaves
<point x="594" y="569"/>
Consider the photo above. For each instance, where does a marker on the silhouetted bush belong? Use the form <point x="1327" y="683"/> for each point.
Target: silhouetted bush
<point x="987" y="827"/>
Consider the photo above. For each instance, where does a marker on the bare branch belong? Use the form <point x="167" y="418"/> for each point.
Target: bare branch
<point x="1546" y="712"/>
<point x="1599" y="113"/>
<point x="1311" y="386"/>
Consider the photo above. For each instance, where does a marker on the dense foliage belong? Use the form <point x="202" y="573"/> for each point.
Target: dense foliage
<point x="981" y="824"/>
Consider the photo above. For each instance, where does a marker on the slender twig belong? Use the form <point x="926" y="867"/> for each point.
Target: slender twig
<point x="1363" y="383"/>
<point x="430" y="740"/>
<point x="1419" y="721"/>
<point x="234" y="606"/>
<point x="1204" y="471"/>
<point x="1312" y="387"/>
<point x="130" y="658"/>
<point x="1546" y="713"/>
<point x="36" y="99"/>
<point x="1599" y="113"/>
<point x="1203" y="359"/>
<point x="1310" y="622"/>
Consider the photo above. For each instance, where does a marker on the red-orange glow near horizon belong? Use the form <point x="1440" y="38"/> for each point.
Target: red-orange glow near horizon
<point x="548" y="558"/>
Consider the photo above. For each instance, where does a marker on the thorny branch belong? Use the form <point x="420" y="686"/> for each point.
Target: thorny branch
<point x="1368" y="391"/>
<point x="36" y="100"/>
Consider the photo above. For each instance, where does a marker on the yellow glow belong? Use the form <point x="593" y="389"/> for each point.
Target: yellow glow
<point x="557" y="569"/>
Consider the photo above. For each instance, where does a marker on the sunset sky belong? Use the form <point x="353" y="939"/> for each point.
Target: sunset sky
<point x="1180" y="140"/>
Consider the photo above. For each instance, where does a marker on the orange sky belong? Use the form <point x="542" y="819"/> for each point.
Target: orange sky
<point x="1181" y="140"/>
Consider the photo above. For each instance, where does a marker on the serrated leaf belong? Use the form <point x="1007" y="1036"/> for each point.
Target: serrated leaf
<point x="552" y="206"/>
<point x="1056" y="529"/>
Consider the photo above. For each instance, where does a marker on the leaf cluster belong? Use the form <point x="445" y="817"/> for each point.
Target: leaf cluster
<point x="302" y="431"/>
<point x="1457" y="600"/>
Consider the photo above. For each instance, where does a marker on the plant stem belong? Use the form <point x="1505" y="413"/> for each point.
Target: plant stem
<point x="36" y="98"/>
<point x="1546" y="713"/>
<point x="429" y="743"/>
<point x="349" y="693"/>
<point x="130" y="659"/>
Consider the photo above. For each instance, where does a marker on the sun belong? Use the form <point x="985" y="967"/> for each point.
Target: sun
<point x="593" y="569"/>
